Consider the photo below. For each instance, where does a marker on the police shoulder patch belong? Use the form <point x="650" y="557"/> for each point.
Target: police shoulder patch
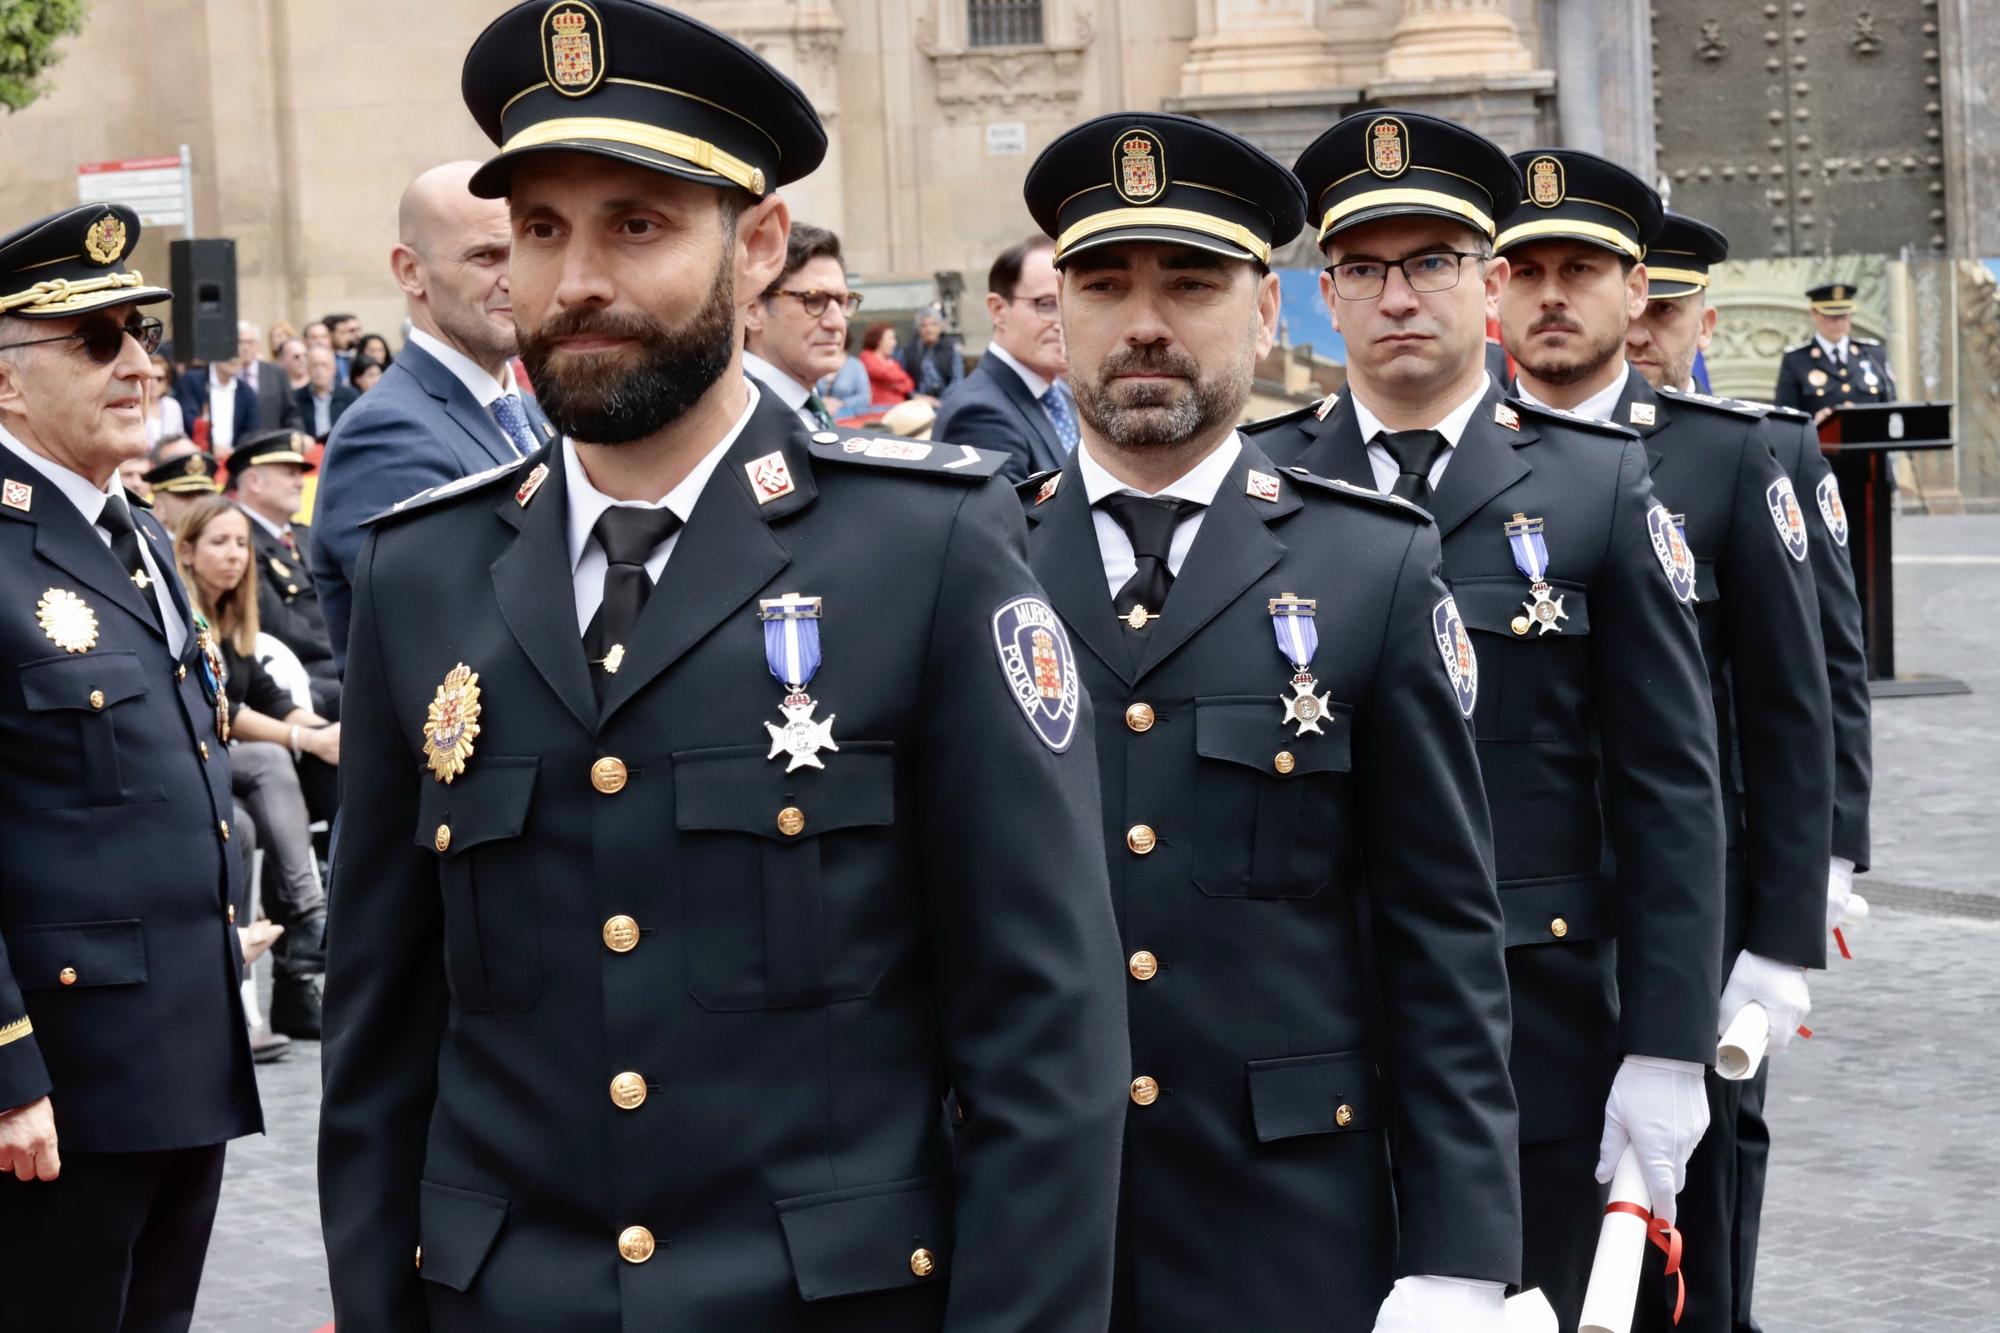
<point x="1040" y="668"/>
<point x="1670" y="545"/>
<point x="1454" y="645"/>
<point x="1729" y="405"/>
<point x="960" y="461"/>
<point x="1349" y="491"/>
<point x="1786" y="514"/>
<point x="1831" y="509"/>
<point x="1864" y="342"/>
<point x="1571" y="419"/>
<point x="478" y="481"/>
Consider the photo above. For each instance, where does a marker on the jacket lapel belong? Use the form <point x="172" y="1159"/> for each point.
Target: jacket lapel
<point x="537" y="597"/>
<point x="1067" y="561"/>
<point x="65" y="540"/>
<point x="1338" y="452"/>
<point x="1050" y="454"/>
<point x="479" y="425"/>
<point x="1486" y="462"/>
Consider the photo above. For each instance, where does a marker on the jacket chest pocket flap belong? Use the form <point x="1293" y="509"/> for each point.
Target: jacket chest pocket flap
<point x="492" y="920"/>
<point x="81" y="695"/>
<point x="90" y="953"/>
<point x="1266" y="807"/>
<point x="1313" y="1094"/>
<point x="788" y="877"/>
<point x="1518" y="663"/>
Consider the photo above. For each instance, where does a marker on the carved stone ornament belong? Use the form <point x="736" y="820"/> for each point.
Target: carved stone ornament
<point x="1866" y="40"/>
<point x="976" y="83"/>
<point x="1710" y="45"/>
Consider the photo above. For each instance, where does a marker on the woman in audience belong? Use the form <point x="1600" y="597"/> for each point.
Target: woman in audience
<point x="163" y="410"/>
<point x="376" y="348"/>
<point x="888" y="382"/>
<point x="363" y="373"/>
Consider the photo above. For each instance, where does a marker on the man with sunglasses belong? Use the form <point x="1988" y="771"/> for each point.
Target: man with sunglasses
<point x="124" y="1060"/>
<point x="1016" y="399"/>
<point x="795" y="334"/>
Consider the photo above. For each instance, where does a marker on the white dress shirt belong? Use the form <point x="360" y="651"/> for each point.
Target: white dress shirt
<point x="1037" y="384"/>
<point x="221" y="414"/>
<point x="1839" y="351"/>
<point x="1199" y="485"/>
<point x="468" y="372"/>
<point x="1453" y="426"/>
<point x="90" y="501"/>
<point x="1600" y="406"/>
<point x="587" y="504"/>
<point x="783" y="387"/>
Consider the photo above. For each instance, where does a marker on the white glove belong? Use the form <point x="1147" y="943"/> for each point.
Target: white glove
<point x="1660" y="1108"/>
<point x="1839" y="888"/>
<point x="1443" y="1305"/>
<point x="1779" y="987"/>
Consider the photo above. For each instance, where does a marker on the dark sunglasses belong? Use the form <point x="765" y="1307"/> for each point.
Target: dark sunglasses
<point x="103" y="341"/>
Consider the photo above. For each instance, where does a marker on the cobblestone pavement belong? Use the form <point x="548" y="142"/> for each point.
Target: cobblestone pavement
<point x="1886" y="1125"/>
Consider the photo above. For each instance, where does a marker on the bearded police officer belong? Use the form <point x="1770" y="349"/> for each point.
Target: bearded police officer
<point x="1281" y="683"/>
<point x="1833" y="367"/>
<point x="1595" y="733"/>
<point x="1661" y="344"/>
<point x="1576" y="281"/>
<point x="124" y="1059"/>
<point x="663" y="917"/>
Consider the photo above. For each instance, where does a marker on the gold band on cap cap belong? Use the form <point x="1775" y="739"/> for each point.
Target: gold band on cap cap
<point x="1832" y="307"/>
<point x="62" y="294"/>
<point x="699" y="153"/>
<point x="1610" y="236"/>
<point x="1687" y="275"/>
<point x="1186" y="219"/>
<point x="284" y="456"/>
<point x="1450" y="203"/>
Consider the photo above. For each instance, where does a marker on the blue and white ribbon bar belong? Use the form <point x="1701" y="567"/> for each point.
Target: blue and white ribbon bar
<point x="1531" y="551"/>
<point x="1293" y="621"/>
<point x="791" y="638"/>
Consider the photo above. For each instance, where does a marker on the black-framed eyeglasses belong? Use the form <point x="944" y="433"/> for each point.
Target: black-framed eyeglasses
<point x="1431" y="271"/>
<point x="103" y="340"/>
<point x="1045" y="306"/>
<point x="816" y="301"/>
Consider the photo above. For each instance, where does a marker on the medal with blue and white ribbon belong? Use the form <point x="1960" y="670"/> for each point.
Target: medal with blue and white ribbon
<point x="1293" y="622"/>
<point x="1531" y="557"/>
<point x="791" y="650"/>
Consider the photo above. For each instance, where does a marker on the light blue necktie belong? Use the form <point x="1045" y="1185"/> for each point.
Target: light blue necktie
<point x="513" y="419"/>
<point x="1056" y="403"/>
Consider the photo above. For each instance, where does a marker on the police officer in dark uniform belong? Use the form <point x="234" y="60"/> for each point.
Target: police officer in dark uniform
<point x="124" y="1059"/>
<point x="1833" y="367"/>
<point x="1595" y="731"/>
<point x="180" y="481"/>
<point x="1576" y="282"/>
<point x="1281" y="681"/>
<point x="287" y="602"/>
<point x="664" y="917"/>
<point x="1662" y="344"/>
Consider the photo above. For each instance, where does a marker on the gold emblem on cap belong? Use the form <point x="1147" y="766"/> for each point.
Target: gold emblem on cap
<point x="1140" y="162"/>
<point x="105" y="241"/>
<point x="196" y="466"/>
<point x="452" y="723"/>
<point x="1388" y="147"/>
<point x="68" y="620"/>
<point x="1545" y="182"/>
<point x="573" y="47"/>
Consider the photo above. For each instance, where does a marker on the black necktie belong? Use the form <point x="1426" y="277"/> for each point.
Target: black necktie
<point x="1150" y="524"/>
<point x="116" y="519"/>
<point x="628" y="537"/>
<point x="1416" y="452"/>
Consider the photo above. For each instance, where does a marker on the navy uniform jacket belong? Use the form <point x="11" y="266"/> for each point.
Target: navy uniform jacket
<point x="118" y="961"/>
<point x="1809" y="379"/>
<point x="1594" y="742"/>
<point x="1332" y="1111"/>
<point x="791" y="967"/>
<point x="287" y="602"/>
<point x="993" y="408"/>
<point x="1760" y="638"/>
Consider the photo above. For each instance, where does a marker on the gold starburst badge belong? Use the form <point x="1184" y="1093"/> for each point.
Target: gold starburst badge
<point x="452" y="724"/>
<point x="68" y="620"/>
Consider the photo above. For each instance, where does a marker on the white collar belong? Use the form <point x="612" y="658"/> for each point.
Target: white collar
<point x="1832" y="348"/>
<point x="790" y="392"/>
<point x="1199" y="483"/>
<point x="1452" y="427"/>
<point x="88" y="499"/>
<point x="1600" y="406"/>
<point x="1037" y="384"/>
<point x="587" y="503"/>
<point x="266" y="523"/>
<point x="468" y="372"/>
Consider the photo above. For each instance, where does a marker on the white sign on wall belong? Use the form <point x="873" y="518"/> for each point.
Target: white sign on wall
<point x="1006" y="138"/>
<point x="154" y="187"/>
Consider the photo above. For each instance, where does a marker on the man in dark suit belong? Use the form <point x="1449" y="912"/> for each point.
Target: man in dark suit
<point x="1015" y="400"/>
<point x="1595" y="730"/>
<point x="1320" y="1104"/>
<point x="218" y="405"/>
<point x="450" y="406"/>
<point x="1833" y="367"/>
<point x="124" y="1058"/>
<point x="276" y="406"/>
<point x="325" y="397"/>
<point x="726" y="940"/>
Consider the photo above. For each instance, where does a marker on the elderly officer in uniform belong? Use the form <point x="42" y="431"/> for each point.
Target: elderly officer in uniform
<point x="1282" y="683"/>
<point x="267" y="476"/>
<point x="1661" y="345"/>
<point x="124" y="1060"/>
<point x="177" y="484"/>
<point x="663" y="920"/>
<point x="1833" y="367"/>
<point x="1595" y="734"/>
<point x="1576" y="282"/>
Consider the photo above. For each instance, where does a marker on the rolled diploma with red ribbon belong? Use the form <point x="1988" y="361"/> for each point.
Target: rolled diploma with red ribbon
<point x="1743" y="1043"/>
<point x="1613" y="1292"/>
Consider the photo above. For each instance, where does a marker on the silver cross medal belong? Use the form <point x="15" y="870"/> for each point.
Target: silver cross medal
<point x="1305" y="707"/>
<point x="1544" y="610"/>
<point x="800" y="736"/>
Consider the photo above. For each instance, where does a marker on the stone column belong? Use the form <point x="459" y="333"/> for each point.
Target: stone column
<point x="1604" y="81"/>
<point x="1258" y="47"/>
<point x="1444" y="39"/>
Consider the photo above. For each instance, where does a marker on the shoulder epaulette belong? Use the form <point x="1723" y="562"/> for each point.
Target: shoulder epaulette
<point x="1772" y="409"/>
<point x="1348" y="490"/>
<point x="1709" y="400"/>
<point x="951" y="461"/>
<point x="1864" y="342"/>
<point x="1316" y="410"/>
<point x="451" y="490"/>
<point x="1800" y="345"/>
<point x="1557" y="415"/>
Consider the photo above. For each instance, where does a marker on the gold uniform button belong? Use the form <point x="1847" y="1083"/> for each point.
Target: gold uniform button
<point x="635" y="1245"/>
<point x="1142" y="965"/>
<point x="1284" y="762"/>
<point x="201" y="747"/>
<point x="1343" y="1115"/>
<point x="1145" y="1091"/>
<point x="232" y="914"/>
<point x="1139" y="717"/>
<point x="1520" y="624"/>
<point x="420" y="1257"/>
<point x="609" y="775"/>
<point x="97" y="698"/>
<point x="223" y="824"/>
<point x="791" y="821"/>
<point x="923" y="1263"/>
<point x="443" y="839"/>
<point x="180" y="673"/>
<point x="621" y="934"/>
<point x="1141" y="839"/>
<point x="67" y="976"/>
<point x="628" y="1092"/>
<point x="1559" y="928"/>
